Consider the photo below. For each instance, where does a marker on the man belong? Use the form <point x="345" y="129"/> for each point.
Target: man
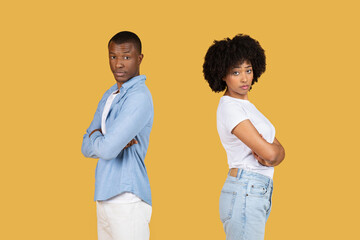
<point x="119" y="137"/>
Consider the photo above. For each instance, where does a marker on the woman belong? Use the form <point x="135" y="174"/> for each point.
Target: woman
<point x="234" y="65"/>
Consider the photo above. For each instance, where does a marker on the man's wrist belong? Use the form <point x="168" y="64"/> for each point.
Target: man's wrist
<point x="94" y="131"/>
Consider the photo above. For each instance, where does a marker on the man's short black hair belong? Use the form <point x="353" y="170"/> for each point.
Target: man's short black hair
<point x="227" y="53"/>
<point x="126" y="37"/>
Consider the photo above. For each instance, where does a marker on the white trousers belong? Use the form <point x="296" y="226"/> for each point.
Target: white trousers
<point x="123" y="221"/>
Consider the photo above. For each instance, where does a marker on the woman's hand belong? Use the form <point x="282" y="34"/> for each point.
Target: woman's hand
<point x="268" y="154"/>
<point x="259" y="159"/>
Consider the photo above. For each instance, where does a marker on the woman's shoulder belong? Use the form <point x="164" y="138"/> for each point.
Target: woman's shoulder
<point x="229" y="107"/>
<point x="227" y="102"/>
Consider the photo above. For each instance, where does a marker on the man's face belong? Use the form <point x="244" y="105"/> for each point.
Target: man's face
<point x="124" y="61"/>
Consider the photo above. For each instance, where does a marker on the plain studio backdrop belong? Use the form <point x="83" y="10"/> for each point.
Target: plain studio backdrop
<point x="54" y="70"/>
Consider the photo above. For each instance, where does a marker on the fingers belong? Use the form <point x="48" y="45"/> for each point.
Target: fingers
<point x="260" y="160"/>
<point x="132" y="142"/>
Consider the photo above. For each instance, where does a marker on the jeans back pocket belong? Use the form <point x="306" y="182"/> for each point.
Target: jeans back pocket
<point x="227" y="201"/>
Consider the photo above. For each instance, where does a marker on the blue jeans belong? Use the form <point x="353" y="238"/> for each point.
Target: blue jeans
<point x="245" y="204"/>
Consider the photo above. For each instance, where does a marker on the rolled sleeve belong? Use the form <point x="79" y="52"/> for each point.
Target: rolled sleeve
<point x="86" y="147"/>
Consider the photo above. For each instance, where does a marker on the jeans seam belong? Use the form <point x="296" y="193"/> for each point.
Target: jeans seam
<point x="232" y="204"/>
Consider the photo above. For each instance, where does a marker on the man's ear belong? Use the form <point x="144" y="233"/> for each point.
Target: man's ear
<point x="141" y="56"/>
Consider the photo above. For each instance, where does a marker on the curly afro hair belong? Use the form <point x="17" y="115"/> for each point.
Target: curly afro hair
<point x="227" y="53"/>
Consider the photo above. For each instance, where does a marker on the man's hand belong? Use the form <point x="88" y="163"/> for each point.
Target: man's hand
<point x="132" y="142"/>
<point x="95" y="131"/>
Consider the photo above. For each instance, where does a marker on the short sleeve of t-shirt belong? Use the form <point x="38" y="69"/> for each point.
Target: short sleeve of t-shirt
<point x="231" y="114"/>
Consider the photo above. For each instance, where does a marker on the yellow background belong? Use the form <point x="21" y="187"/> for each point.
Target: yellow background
<point x="54" y="71"/>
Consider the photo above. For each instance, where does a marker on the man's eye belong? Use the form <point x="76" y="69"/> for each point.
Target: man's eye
<point x="112" y="57"/>
<point x="126" y="58"/>
<point x="249" y="71"/>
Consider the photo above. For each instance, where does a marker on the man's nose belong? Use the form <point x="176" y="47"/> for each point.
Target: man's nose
<point x="119" y="63"/>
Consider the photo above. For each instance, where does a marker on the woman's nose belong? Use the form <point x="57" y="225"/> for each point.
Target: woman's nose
<point x="243" y="77"/>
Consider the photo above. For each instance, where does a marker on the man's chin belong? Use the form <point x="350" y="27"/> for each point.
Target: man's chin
<point x="121" y="79"/>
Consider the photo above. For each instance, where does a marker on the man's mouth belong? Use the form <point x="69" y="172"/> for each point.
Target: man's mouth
<point x="119" y="74"/>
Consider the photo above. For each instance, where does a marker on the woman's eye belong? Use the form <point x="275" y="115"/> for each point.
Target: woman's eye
<point x="236" y="73"/>
<point x="112" y="57"/>
<point x="249" y="71"/>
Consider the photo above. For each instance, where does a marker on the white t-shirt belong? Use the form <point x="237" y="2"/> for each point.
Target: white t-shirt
<point x="231" y="111"/>
<point x="106" y="110"/>
<point x="126" y="197"/>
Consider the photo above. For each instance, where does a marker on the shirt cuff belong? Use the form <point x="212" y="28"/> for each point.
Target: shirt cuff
<point x="95" y="135"/>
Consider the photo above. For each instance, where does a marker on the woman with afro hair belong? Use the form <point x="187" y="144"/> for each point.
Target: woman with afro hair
<point x="233" y="66"/>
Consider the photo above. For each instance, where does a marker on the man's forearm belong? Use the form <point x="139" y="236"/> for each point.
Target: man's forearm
<point x="86" y="147"/>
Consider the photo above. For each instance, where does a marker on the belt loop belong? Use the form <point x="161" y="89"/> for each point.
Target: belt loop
<point x="239" y="173"/>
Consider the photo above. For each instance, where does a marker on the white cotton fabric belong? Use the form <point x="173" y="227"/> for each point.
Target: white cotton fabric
<point x="123" y="221"/>
<point x="231" y="111"/>
<point x="107" y="109"/>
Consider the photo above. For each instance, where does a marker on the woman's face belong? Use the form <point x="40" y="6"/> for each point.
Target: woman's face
<point x="238" y="80"/>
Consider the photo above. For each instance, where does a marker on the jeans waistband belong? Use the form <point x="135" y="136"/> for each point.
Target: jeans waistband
<point x="241" y="173"/>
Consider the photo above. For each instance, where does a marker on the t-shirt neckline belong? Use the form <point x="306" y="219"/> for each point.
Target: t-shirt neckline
<point x="235" y="99"/>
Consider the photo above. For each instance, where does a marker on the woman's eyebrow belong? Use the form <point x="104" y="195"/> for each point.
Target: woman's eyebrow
<point x="248" y="66"/>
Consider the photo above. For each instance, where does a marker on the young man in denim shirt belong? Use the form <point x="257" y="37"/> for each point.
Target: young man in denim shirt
<point x="119" y="137"/>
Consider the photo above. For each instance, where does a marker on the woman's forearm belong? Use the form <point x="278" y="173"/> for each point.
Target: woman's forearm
<point x="279" y="153"/>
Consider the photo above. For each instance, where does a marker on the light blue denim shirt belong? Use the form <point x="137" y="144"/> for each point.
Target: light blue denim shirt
<point x="130" y="116"/>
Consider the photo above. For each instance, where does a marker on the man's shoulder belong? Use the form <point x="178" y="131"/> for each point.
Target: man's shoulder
<point x="140" y="95"/>
<point x="139" y="89"/>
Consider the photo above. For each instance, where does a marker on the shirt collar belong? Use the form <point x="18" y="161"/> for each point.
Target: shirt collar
<point x="131" y="82"/>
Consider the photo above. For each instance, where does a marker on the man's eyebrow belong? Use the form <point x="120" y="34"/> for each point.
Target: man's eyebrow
<point x="126" y="51"/>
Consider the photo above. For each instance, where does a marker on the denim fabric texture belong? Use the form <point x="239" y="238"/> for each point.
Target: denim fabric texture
<point x="130" y="117"/>
<point x="245" y="204"/>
